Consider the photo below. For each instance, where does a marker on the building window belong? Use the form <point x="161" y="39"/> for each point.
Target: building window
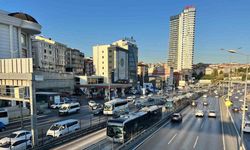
<point x="49" y="46"/>
<point x="24" y="40"/>
<point x="45" y="57"/>
<point x="44" y="50"/>
<point x="103" y="73"/>
<point x="102" y="62"/>
<point x="102" y="56"/>
<point x="102" y="51"/>
<point x="102" y="67"/>
<point x="50" y="52"/>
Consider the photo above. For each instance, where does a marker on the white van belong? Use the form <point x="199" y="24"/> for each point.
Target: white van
<point x="246" y="127"/>
<point x="63" y="127"/>
<point x="69" y="108"/>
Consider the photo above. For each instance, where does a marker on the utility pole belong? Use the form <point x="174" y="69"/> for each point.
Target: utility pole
<point x="33" y="113"/>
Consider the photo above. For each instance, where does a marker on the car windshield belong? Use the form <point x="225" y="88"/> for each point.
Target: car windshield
<point x="247" y="125"/>
<point x="12" y="135"/>
<point x="55" y="127"/>
<point x="114" y="131"/>
<point x="107" y="107"/>
<point x="211" y="111"/>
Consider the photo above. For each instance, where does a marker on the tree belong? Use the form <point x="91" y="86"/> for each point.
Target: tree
<point x="221" y="72"/>
<point x="215" y="73"/>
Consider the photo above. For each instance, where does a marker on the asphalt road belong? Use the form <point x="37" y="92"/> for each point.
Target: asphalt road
<point x="236" y="116"/>
<point x="192" y="133"/>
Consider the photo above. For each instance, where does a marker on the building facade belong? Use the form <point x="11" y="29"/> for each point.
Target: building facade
<point x="88" y="66"/>
<point x="181" y="43"/>
<point x="142" y="71"/>
<point x="130" y="45"/>
<point x="48" y="55"/>
<point x="74" y="61"/>
<point x="16" y="30"/>
<point x="111" y="61"/>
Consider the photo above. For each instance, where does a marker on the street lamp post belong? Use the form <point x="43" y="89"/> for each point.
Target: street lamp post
<point x="245" y="97"/>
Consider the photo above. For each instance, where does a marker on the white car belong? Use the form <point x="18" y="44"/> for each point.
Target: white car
<point x="16" y="145"/>
<point x="92" y="103"/>
<point x="241" y="100"/>
<point x="204" y="95"/>
<point x="211" y="113"/>
<point x="18" y="135"/>
<point x="56" y="105"/>
<point x="199" y="113"/>
<point x="236" y="97"/>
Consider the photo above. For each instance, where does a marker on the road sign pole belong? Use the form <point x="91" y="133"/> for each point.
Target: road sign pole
<point x="33" y="113"/>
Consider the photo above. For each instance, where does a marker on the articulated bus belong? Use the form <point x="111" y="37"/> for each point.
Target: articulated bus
<point x="125" y="127"/>
<point x="4" y="117"/>
<point x="116" y="106"/>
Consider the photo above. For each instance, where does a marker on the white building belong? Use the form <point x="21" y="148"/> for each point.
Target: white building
<point x="110" y="59"/>
<point x="181" y="43"/>
<point x="16" y="30"/>
<point x="48" y="55"/>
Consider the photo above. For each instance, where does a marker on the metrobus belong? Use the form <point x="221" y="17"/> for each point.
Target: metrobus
<point x="116" y="106"/>
<point x="169" y="103"/>
<point x="4" y="117"/>
<point x="125" y="127"/>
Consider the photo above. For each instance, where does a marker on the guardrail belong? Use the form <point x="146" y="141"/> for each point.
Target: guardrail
<point x="139" y="137"/>
<point x="53" y="142"/>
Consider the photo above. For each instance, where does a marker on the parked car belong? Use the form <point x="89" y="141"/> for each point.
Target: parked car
<point x="176" y="117"/>
<point x="63" y="127"/>
<point x="18" y="135"/>
<point x="2" y="127"/>
<point x="92" y="103"/>
<point x="212" y="113"/>
<point x="16" y="145"/>
<point x="199" y="113"/>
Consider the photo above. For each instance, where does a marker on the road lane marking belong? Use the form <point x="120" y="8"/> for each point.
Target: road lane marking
<point x="151" y="135"/>
<point x="196" y="140"/>
<point x="172" y="138"/>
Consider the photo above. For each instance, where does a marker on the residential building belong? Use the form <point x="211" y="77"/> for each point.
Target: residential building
<point x="16" y="30"/>
<point x="74" y="61"/>
<point x="48" y="55"/>
<point x="130" y="45"/>
<point x="111" y="61"/>
<point x="88" y="66"/>
<point x="181" y="43"/>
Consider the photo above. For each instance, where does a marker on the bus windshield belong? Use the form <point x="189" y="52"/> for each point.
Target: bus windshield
<point x="108" y="107"/>
<point x="115" y="131"/>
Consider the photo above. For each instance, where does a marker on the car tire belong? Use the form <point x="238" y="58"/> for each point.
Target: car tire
<point x="3" y="129"/>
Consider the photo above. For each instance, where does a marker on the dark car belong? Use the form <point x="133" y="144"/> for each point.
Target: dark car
<point x="98" y="111"/>
<point x="2" y="127"/>
<point x="235" y="109"/>
<point x="176" y="117"/>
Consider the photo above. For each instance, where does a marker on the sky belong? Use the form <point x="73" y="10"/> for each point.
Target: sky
<point x="82" y="24"/>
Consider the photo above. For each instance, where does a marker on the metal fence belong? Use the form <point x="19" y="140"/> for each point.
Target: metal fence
<point x="94" y="124"/>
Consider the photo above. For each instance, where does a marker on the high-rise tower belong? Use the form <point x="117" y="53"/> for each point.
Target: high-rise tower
<point x="181" y="42"/>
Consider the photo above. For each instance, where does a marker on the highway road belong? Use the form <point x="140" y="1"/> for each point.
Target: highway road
<point x="192" y="133"/>
<point x="236" y="116"/>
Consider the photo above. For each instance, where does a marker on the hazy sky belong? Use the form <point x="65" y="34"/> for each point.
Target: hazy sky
<point x="84" y="23"/>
